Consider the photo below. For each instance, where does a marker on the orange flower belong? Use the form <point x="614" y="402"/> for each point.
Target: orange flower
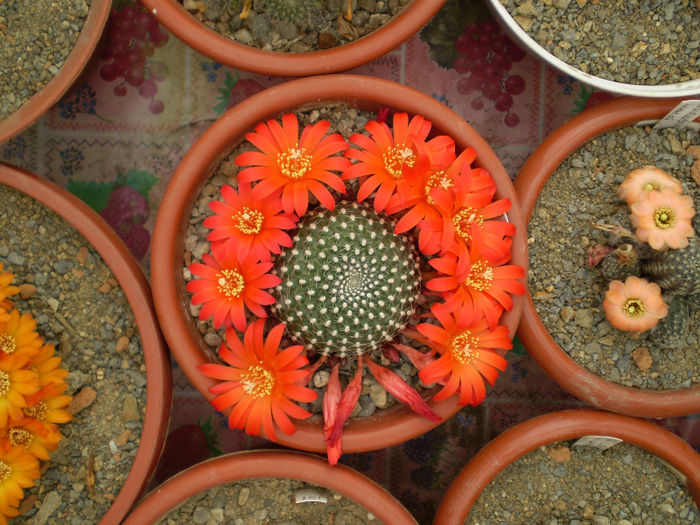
<point x="385" y="157"/>
<point x="38" y="439"/>
<point x="482" y="289"/>
<point x="250" y="222"/>
<point x="16" y="383"/>
<point x="466" y="356"/>
<point x="46" y="366"/>
<point x="229" y="284"/>
<point x="646" y="179"/>
<point x="261" y="381"/>
<point x="18" y="335"/>
<point x="6" y="290"/>
<point x="18" y="470"/>
<point x="48" y="405"/>
<point x="295" y="165"/>
<point x="663" y="219"/>
<point x="635" y="305"/>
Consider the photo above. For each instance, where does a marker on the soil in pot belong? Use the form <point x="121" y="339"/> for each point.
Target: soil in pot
<point x="571" y="483"/>
<point x="294" y="26"/>
<point x="650" y="42"/>
<point x="38" y="36"/>
<point x="79" y="308"/>
<point x="261" y="501"/>
<point x="568" y="293"/>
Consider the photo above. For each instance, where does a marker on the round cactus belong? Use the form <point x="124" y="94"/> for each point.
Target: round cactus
<point x="349" y="283"/>
<point x="677" y="272"/>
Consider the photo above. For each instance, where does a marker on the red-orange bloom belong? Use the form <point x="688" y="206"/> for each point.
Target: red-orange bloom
<point x="6" y="290"/>
<point x="48" y="405"/>
<point x="482" y="288"/>
<point x="250" y="222"/>
<point x="466" y="356"/>
<point x="293" y="164"/>
<point x="261" y="381"/>
<point x="386" y="156"/>
<point x="228" y="284"/>
<point x="37" y="438"/>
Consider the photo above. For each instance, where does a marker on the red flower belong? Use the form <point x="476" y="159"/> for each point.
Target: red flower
<point x="480" y="288"/>
<point x="250" y="222"/>
<point x="386" y="157"/>
<point x="294" y="165"/>
<point x="260" y="381"/>
<point x="466" y="356"/>
<point x="227" y="284"/>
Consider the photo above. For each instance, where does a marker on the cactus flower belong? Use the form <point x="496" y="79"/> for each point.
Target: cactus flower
<point x="18" y="470"/>
<point x="6" y="289"/>
<point x="643" y="180"/>
<point x="635" y="305"/>
<point x="663" y="219"/>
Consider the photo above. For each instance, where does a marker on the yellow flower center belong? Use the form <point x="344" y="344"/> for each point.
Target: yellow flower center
<point x="480" y="276"/>
<point x="294" y="163"/>
<point x="634" y="307"/>
<point x="230" y="283"/>
<point x="4" y="383"/>
<point x="19" y="436"/>
<point x="664" y="217"/>
<point x="7" y="343"/>
<point x="651" y="185"/>
<point x="463" y="220"/>
<point x="38" y="411"/>
<point x="257" y="382"/>
<point x="439" y="179"/>
<point x="5" y="471"/>
<point x="249" y="221"/>
<point x="464" y="347"/>
<point x="396" y="157"/>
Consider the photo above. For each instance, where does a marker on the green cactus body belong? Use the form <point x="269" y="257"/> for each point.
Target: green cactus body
<point x="677" y="272"/>
<point x="349" y="283"/>
<point x="293" y="10"/>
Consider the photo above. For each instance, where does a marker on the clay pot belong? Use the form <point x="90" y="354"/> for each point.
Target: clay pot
<point x="270" y="464"/>
<point x="135" y="287"/>
<point x="385" y="428"/>
<point x="38" y="104"/>
<point x="560" y="426"/>
<point x="187" y="28"/>
<point x="585" y="385"/>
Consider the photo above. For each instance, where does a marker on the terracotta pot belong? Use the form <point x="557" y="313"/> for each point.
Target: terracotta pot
<point x="187" y="28"/>
<point x="41" y="101"/>
<point x="561" y="426"/>
<point x="585" y="385"/>
<point x="270" y="464"/>
<point x="135" y="287"/>
<point x="395" y="425"/>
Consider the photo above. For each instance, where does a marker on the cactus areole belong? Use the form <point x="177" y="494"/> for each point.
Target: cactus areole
<point x="349" y="283"/>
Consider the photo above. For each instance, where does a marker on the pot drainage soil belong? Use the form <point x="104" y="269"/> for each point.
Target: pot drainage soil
<point x="38" y="36"/>
<point x="80" y="308"/>
<point x="568" y="294"/>
<point x="269" y="501"/>
<point x="647" y="42"/>
<point x="578" y="484"/>
<point x="294" y="26"/>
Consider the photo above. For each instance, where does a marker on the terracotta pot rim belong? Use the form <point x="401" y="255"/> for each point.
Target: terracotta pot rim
<point x="210" y="43"/>
<point x="609" y="115"/>
<point x="561" y="426"/>
<point x="132" y="281"/>
<point x="677" y="89"/>
<point x="266" y="464"/>
<point x="359" y="435"/>
<point x="78" y="58"/>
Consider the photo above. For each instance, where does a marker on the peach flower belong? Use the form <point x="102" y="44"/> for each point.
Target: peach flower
<point x="635" y="305"/>
<point x="663" y="219"/>
<point x="643" y="180"/>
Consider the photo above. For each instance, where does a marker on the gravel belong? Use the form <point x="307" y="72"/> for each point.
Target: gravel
<point x="644" y="42"/>
<point x="568" y="294"/>
<point x="84" y="313"/>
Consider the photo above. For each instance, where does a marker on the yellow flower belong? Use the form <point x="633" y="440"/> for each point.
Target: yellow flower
<point x="47" y="405"/>
<point x="18" y="336"/>
<point x="37" y="438"/>
<point x="46" y="366"/>
<point x="6" y="289"/>
<point x="663" y="219"/>
<point x="16" y="383"/>
<point x="18" y="470"/>
<point x="643" y="180"/>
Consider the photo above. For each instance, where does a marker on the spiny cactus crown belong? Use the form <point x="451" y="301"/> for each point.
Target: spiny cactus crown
<point x="676" y="271"/>
<point x="349" y="283"/>
<point x="293" y="10"/>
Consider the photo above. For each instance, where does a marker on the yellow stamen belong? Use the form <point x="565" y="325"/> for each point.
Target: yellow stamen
<point x="249" y="221"/>
<point x="440" y="180"/>
<point x="396" y="157"/>
<point x="463" y="220"/>
<point x="634" y="307"/>
<point x="464" y="347"/>
<point x="39" y="411"/>
<point x="4" y="383"/>
<point x="230" y="283"/>
<point x="5" y="471"/>
<point x="651" y="185"/>
<point x="257" y="382"/>
<point x="19" y="436"/>
<point x="664" y="217"/>
<point x="480" y="276"/>
<point x="294" y="163"/>
<point x="7" y="343"/>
